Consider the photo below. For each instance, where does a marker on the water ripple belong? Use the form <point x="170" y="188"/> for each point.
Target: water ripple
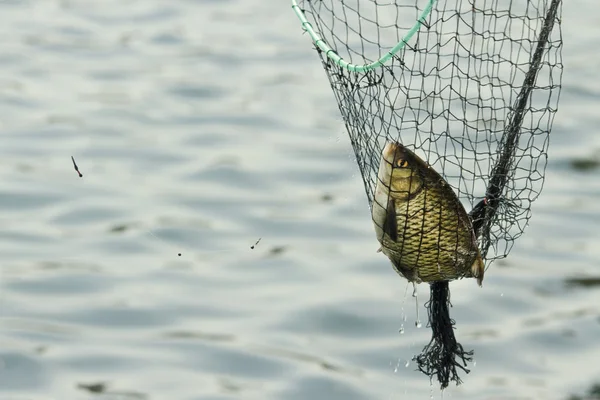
<point x="200" y="127"/>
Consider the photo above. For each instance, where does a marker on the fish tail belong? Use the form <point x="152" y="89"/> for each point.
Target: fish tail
<point x="478" y="269"/>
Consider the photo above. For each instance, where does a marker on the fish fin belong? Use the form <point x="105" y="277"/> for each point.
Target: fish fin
<point x="390" y="225"/>
<point x="478" y="269"/>
<point x="379" y="249"/>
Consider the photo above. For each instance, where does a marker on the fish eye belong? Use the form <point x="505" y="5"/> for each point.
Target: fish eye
<point x="400" y="163"/>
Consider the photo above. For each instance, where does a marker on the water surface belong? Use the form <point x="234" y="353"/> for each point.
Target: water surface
<point x="211" y="124"/>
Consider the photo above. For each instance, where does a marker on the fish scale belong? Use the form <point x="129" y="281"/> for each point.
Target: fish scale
<point x="435" y="238"/>
<point x="431" y="240"/>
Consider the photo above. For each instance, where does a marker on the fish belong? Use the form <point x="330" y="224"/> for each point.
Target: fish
<point x="420" y="223"/>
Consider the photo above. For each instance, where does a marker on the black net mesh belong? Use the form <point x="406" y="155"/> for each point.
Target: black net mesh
<point x="452" y="95"/>
<point x="452" y="114"/>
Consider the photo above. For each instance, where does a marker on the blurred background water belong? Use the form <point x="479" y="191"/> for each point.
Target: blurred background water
<point x="201" y="126"/>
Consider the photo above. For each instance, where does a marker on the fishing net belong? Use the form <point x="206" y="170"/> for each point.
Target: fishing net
<point x="471" y="86"/>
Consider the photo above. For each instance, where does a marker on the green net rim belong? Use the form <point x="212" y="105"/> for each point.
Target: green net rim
<point x="333" y="56"/>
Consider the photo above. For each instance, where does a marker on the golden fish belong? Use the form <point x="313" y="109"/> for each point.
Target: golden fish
<point x="423" y="228"/>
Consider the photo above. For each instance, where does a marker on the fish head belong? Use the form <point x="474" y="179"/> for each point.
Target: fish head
<point x="405" y="171"/>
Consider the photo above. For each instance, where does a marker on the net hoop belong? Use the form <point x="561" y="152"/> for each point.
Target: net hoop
<point x="333" y="56"/>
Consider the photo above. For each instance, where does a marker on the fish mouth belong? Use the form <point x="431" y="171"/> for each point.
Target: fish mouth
<point x="390" y="150"/>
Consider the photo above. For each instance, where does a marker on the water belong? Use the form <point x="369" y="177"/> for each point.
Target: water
<point x="207" y="124"/>
<point x="416" y="296"/>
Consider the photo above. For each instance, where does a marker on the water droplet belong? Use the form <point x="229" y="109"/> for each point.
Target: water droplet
<point x="501" y="294"/>
<point x="401" y="330"/>
<point x="337" y="139"/>
<point x="406" y="364"/>
<point x="415" y="295"/>
<point x="397" y="366"/>
<point x="474" y="363"/>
